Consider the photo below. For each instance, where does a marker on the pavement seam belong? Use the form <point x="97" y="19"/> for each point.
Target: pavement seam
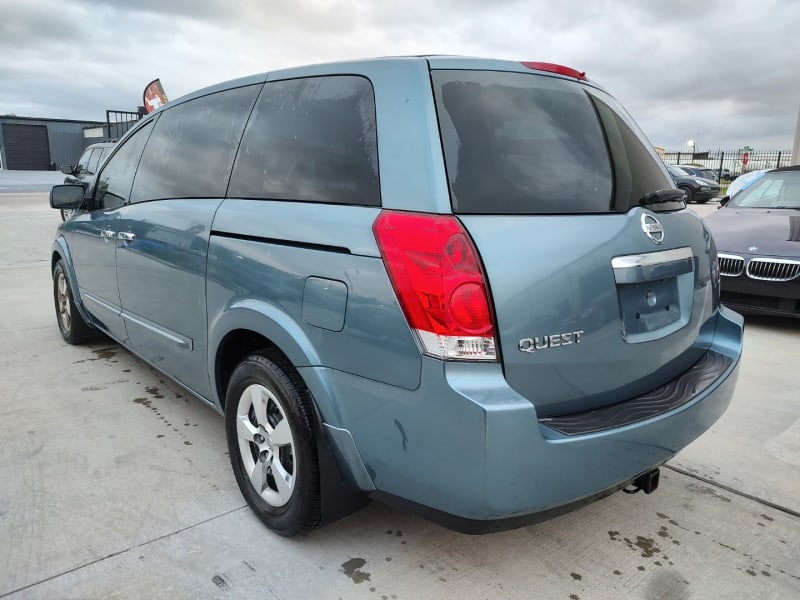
<point x="113" y="554"/>
<point x="733" y="490"/>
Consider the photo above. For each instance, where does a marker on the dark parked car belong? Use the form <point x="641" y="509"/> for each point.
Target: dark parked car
<point x="697" y="189"/>
<point x="703" y="172"/>
<point x="757" y="233"/>
<point x="86" y="167"/>
<point x="510" y="314"/>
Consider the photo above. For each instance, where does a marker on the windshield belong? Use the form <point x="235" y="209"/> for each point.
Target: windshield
<point x="678" y="172"/>
<point x="774" y="190"/>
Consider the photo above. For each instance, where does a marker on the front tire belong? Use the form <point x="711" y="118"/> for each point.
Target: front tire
<point x="689" y="194"/>
<point x="67" y="213"/>
<point x="73" y="328"/>
<point x="269" y="428"/>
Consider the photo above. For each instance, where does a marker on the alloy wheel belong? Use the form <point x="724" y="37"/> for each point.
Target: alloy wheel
<point x="266" y="445"/>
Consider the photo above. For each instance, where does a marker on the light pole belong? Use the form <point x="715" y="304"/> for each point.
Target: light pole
<point x="693" y="145"/>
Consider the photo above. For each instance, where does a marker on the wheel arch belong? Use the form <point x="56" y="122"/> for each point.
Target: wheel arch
<point x="688" y="190"/>
<point x="60" y="252"/>
<point x="251" y="326"/>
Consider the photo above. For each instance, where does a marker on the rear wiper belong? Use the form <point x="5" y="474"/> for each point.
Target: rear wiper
<point x="662" y="197"/>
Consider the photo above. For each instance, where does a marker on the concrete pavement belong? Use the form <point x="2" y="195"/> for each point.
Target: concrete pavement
<point x="114" y="483"/>
<point x="28" y="181"/>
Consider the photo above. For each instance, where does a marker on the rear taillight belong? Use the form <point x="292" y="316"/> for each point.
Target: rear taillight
<point x="434" y="268"/>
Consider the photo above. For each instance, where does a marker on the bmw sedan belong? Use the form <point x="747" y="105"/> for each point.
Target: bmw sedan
<point x="757" y="233"/>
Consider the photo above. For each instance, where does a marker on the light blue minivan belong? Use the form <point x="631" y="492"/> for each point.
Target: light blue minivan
<point x="465" y="287"/>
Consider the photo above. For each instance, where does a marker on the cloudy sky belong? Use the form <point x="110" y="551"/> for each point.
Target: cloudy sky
<point x="725" y="73"/>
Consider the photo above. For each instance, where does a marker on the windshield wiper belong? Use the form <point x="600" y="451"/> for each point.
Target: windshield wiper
<point x="662" y="197"/>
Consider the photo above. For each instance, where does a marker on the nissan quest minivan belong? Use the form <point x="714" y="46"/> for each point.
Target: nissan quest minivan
<point x="464" y="287"/>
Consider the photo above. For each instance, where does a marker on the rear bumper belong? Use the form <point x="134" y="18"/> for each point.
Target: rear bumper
<point x="467" y="451"/>
<point x="482" y="526"/>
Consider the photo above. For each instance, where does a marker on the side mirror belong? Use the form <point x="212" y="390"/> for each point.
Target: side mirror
<point x="723" y="201"/>
<point x="66" y="196"/>
<point x="67" y="170"/>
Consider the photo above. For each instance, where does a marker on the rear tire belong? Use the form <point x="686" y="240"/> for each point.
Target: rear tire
<point x="73" y="328"/>
<point x="269" y="428"/>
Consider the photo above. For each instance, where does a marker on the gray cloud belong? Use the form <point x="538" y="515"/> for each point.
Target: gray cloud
<point x="723" y="72"/>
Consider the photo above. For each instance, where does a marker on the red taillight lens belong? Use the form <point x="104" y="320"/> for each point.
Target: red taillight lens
<point x="469" y="308"/>
<point x="434" y="268"/>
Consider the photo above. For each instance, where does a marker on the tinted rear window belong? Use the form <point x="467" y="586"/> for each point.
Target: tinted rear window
<point x="527" y="144"/>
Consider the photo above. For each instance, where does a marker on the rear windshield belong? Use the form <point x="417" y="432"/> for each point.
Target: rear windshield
<point x="517" y="143"/>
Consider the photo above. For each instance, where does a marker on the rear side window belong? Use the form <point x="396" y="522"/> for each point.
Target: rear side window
<point x="518" y="143"/>
<point x="311" y="140"/>
<point x="191" y="150"/>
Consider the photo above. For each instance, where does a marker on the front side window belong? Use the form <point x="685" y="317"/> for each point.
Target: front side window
<point x="191" y="151"/>
<point x="311" y="140"/>
<point x="114" y="182"/>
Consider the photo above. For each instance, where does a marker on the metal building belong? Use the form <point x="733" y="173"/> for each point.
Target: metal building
<point x="28" y="143"/>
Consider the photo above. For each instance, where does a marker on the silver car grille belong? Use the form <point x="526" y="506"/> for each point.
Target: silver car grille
<point x="773" y="269"/>
<point x="730" y="265"/>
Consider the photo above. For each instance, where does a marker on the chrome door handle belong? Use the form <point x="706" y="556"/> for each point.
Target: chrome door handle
<point x="126" y="236"/>
<point x="108" y="234"/>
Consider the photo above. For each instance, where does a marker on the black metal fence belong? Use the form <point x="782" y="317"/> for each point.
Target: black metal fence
<point x="119" y="121"/>
<point x="729" y="164"/>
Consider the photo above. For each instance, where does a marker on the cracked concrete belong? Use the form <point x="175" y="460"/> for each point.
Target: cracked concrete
<point x="114" y="483"/>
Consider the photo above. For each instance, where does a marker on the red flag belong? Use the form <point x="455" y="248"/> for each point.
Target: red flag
<point x="154" y="96"/>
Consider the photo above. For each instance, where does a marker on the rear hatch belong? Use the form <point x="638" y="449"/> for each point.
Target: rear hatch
<point x="600" y="278"/>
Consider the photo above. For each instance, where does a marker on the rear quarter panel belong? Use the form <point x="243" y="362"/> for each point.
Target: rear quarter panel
<point x="261" y="256"/>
